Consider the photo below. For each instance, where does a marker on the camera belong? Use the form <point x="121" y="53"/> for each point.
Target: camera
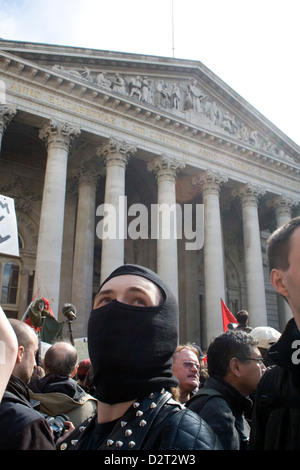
<point x="57" y="424"/>
<point x="69" y="311"/>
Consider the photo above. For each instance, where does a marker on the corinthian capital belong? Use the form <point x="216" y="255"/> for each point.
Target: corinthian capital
<point x="6" y="115"/>
<point x="209" y="180"/>
<point x="59" y="133"/>
<point x="116" y="151"/>
<point x="249" y="194"/>
<point x="89" y="174"/>
<point x="283" y="204"/>
<point x="165" y="166"/>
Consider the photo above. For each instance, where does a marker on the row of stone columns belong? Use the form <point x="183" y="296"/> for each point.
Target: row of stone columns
<point x="58" y="137"/>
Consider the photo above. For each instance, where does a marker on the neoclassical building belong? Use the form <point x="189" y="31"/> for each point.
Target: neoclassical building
<point x="85" y="130"/>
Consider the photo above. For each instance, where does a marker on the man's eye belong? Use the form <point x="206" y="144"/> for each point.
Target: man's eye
<point x="103" y="301"/>
<point x="139" y="302"/>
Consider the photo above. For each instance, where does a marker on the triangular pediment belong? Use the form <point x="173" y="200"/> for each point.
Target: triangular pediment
<point x="180" y="90"/>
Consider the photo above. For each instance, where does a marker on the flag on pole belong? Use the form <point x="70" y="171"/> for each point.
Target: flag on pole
<point x="227" y="316"/>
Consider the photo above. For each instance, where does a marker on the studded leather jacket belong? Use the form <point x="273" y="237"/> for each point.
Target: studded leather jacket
<point x="155" y="423"/>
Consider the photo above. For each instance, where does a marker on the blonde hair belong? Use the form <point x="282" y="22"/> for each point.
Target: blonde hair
<point x="188" y="346"/>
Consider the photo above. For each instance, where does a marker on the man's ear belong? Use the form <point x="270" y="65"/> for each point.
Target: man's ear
<point x="20" y="354"/>
<point x="278" y="281"/>
<point x="74" y="371"/>
<point x="234" y="366"/>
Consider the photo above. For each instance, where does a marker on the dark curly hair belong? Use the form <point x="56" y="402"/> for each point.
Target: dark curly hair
<point x="226" y="346"/>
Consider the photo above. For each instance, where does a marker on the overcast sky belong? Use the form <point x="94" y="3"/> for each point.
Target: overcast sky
<point x="252" y="45"/>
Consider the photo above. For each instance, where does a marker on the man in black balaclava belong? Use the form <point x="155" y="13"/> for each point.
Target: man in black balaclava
<point x="132" y="336"/>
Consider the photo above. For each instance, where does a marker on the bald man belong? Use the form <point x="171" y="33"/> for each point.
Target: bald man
<point x="22" y="427"/>
<point x="58" y="392"/>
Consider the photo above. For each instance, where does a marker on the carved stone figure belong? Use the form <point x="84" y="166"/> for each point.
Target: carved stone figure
<point x="228" y="123"/>
<point x="119" y="84"/>
<point x="175" y="95"/>
<point x="164" y="91"/>
<point x="102" y="80"/>
<point x="146" y="90"/>
<point x="136" y="87"/>
<point x="194" y="97"/>
<point x="243" y="133"/>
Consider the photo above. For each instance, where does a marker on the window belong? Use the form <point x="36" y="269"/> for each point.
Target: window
<point x="10" y="281"/>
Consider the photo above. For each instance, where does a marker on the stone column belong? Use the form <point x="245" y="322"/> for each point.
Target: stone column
<point x="256" y="295"/>
<point x="23" y="293"/>
<point x="116" y="154"/>
<point x="283" y="209"/>
<point x="6" y="115"/>
<point x="165" y="169"/>
<point x="58" y="137"/>
<point x="209" y="183"/>
<point x="67" y="258"/>
<point x="83" y="267"/>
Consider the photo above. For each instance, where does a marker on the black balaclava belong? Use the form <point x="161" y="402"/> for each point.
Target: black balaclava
<point x="131" y="347"/>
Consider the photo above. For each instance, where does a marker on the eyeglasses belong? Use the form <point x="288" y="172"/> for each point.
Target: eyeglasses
<point x="190" y="365"/>
<point x="259" y="360"/>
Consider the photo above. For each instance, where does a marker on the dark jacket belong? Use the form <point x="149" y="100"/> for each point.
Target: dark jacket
<point x="157" y="422"/>
<point x="22" y="427"/>
<point x="62" y="395"/>
<point x="51" y="383"/>
<point x="224" y="413"/>
<point x="276" y="416"/>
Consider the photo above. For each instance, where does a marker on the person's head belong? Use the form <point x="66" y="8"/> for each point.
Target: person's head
<point x="132" y="334"/>
<point x="283" y="250"/>
<point x="266" y="336"/>
<point x="234" y="357"/>
<point x="242" y="317"/>
<point x="129" y="289"/>
<point x="61" y="359"/>
<point x="186" y="369"/>
<point x="27" y="349"/>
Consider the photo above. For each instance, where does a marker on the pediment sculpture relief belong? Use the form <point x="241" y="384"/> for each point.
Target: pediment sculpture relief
<point x="186" y="98"/>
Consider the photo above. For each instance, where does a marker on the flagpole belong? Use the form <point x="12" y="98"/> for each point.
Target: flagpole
<point x="173" y="45"/>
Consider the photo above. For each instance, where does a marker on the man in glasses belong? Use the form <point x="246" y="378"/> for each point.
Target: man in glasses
<point x="235" y="367"/>
<point x="186" y="367"/>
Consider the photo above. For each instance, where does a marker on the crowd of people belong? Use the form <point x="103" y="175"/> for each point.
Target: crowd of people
<point x="140" y="390"/>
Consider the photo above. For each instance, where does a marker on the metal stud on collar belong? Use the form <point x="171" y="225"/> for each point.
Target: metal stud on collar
<point x="146" y="409"/>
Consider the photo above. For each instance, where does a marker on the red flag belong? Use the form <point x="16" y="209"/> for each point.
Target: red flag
<point x="227" y="316"/>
